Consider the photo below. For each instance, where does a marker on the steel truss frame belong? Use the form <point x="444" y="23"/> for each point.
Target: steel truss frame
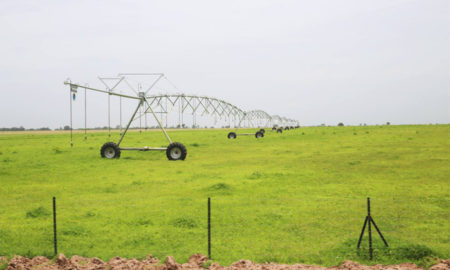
<point x="204" y="105"/>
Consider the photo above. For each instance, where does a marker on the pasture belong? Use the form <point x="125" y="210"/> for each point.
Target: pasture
<point x="295" y="197"/>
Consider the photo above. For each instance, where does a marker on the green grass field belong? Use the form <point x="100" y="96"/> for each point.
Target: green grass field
<point x="295" y="197"/>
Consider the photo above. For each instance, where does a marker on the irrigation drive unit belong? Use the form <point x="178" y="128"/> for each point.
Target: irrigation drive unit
<point x="262" y="117"/>
<point x="258" y="134"/>
<point x="174" y="151"/>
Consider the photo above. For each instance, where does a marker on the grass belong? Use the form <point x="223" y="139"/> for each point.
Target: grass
<point x="293" y="197"/>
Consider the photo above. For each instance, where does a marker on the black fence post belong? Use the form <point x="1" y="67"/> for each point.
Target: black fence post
<point x="370" y="229"/>
<point x="55" y="245"/>
<point x="369" y="221"/>
<point x="209" y="228"/>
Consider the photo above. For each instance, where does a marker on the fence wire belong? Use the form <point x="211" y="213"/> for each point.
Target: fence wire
<point x="263" y="229"/>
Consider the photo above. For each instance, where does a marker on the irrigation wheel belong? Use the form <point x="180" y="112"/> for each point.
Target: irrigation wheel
<point x="280" y="130"/>
<point x="262" y="131"/>
<point x="176" y="151"/>
<point x="274" y="128"/>
<point x="110" y="150"/>
<point x="231" y="135"/>
<point x="259" y="134"/>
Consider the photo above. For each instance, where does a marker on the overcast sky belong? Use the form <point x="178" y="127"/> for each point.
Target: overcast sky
<point x="315" y="61"/>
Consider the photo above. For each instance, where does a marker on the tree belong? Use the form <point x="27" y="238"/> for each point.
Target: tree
<point x="340" y="124"/>
<point x="66" y="127"/>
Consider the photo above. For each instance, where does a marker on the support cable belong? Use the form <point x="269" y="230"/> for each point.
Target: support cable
<point x="179" y="113"/>
<point x="171" y="83"/>
<point x="167" y="112"/>
<point x="145" y="115"/>
<point x="182" y="112"/>
<point x="85" y="113"/>
<point x="71" y="136"/>
<point x="109" y="114"/>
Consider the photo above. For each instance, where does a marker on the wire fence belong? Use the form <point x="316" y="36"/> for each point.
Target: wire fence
<point x="262" y="229"/>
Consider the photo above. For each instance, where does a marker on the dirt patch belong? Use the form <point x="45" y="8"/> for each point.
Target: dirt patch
<point x="443" y="265"/>
<point x="196" y="262"/>
<point x="3" y="260"/>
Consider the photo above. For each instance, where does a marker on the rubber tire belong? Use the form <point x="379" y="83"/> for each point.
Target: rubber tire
<point x="286" y="128"/>
<point x="259" y="133"/>
<point x="232" y="135"/>
<point x="263" y="131"/>
<point x="110" y="145"/>
<point x="180" y="146"/>
<point x="274" y="128"/>
<point x="280" y="130"/>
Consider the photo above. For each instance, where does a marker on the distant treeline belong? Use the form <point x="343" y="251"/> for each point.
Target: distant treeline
<point x="95" y="128"/>
<point x="150" y="127"/>
<point x="23" y="129"/>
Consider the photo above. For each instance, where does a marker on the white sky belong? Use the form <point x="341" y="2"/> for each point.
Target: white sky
<point x="315" y="61"/>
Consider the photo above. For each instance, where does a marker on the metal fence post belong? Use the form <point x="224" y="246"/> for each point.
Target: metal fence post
<point x="370" y="229"/>
<point x="55" y="245"/>
<point x="209" y="228"/>
<point x="369" y="221"/>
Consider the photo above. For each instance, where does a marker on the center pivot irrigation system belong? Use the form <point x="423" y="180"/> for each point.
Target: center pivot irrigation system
<point x="166" y="104"/>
